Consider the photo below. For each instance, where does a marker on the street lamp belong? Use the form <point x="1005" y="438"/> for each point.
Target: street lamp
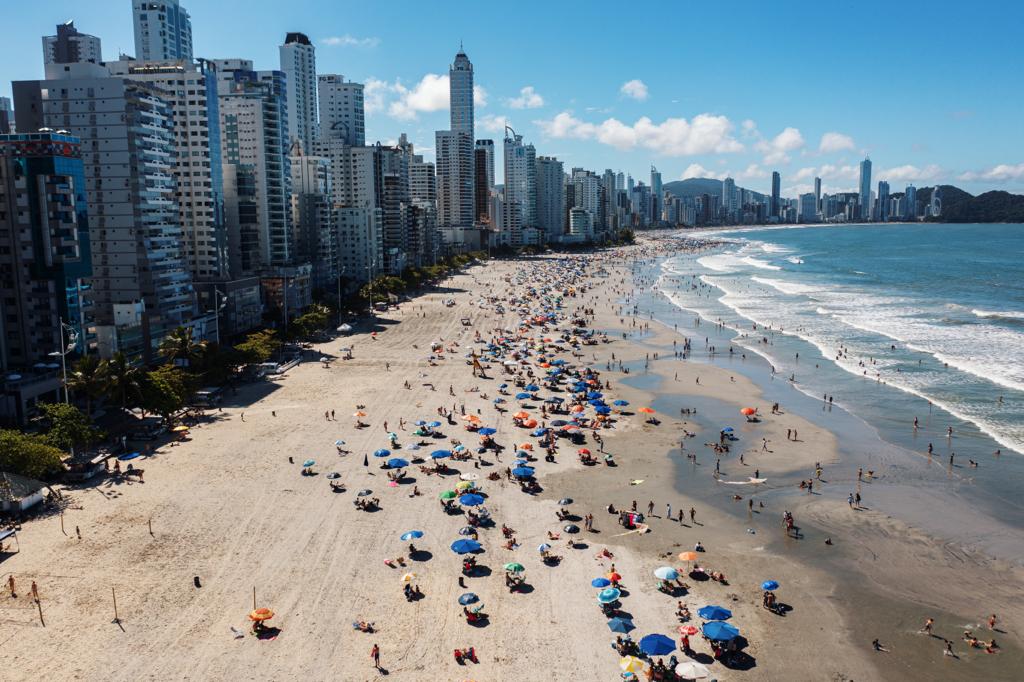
<point x="68" y="347"/>
<point x="217" y="310"/>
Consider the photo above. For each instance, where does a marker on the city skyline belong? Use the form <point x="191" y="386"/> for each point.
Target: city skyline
<point x="630" y="111"/>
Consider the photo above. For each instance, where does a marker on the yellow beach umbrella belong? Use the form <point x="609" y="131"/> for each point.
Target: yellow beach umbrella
<point x="632" y="664"/>
<point x="408" y="577"/>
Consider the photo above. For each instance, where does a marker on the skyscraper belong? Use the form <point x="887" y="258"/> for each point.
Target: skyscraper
<point x="729" y="198"/>
<point x="865" y="189"/>
<point x="342" y="115"/>
<point x="817" y="193"/>
<point x="776" y="188"/>
<point x="460" y="93"/>
<point x="163" y="30"/>
<point x="487" y="146"/>
<point x="70" y="46"/>
<point x="910" y="199"/>
<point x="550" y="196"/>
<point x="520" y="186"/>
<point x="298" y="62"/>
<point x="6" y="115"/>
<point x="656" y="197"/>
<point x="883" y="201"/>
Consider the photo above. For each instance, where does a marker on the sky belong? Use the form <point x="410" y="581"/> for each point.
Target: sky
<point x="932" y="92"/>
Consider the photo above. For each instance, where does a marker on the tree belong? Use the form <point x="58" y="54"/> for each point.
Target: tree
<point x="124" y="380"/>
<point x="181" y="349"/>
<point x="87" y="379"/>
<point x="259" y="346"/>
<point x="315" y="319"/>
<point x="69" y="427"/>
<point x="28" y="455"/>
<point x="165" y="390"/>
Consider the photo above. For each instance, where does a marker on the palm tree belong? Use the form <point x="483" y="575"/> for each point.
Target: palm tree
<point x="123" y="379"/>
<point x="87" y="379"/>
<point x="180" y="348"/>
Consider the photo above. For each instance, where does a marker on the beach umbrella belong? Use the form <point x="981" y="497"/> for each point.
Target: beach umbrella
<point x="715" y="613"/>
<point x="468" y="598"/>
<point x="583" y="451"/>
<point x="747" y="411"/>
<point x="565" y="500"/>
<point x="613" y="576"/>
<point x="523" y="396"/>
<point x="571" y="528"/>
<point x="333" y="475"/>
<point x="412" y="535"/>
<point x="359" y="413"/>
<point x="522" y="472"/>
<point x="487" y="431"/>
<point x="383" y="452"/>
<point x="414" y="446"/>
<point x="339" y="442"/>
<point x="577" y="408"/>
<point x="471" y="500"/>
<point x="720" y="631"/>
<point x="692" y="670"/>
<point x="408" y="577"/>
<point x="448" y="495"/>
<point x="364" y="492"/>
<point x="539" y="433"/>
<point x="608" y="595"/>
<point x="688" y="630"/>
<point x="770" y="585"/>
<point x="309" y="463"/>
<point x="632" y="664"/>
<point x="465" y="485"/>
<point x="600" y="582"/>
<point x="621" y="403"/>
<point x="646" y="410"/>
<point x="559" y="422"/>
<point x="530" y="423"/>
<point x="434" y="424"/>
<point x="620" y="625"/>
<point x="420" y="422"/>
<point x="397" y="463"/>
<point x="465" y="546"/>
<point x="603" y="410"/>
<point x="514" y="567"/>
<point x="467" y="530"/>
<point x="532" y="388"/>
<point x="666" y="573"/>
<point x="657" y="645"/>
<point x="687" y="556"/>
<point x="440" y="454"/>
<point x="261" y="614"/>
<point x="544" y="547"/>
<point x="470" y="476"/>
<point x="727" y="429"/>
<point x="498" y="401"/>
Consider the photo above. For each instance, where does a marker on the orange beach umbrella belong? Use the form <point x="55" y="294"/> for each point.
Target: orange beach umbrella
<point x="688" y="556"/>
<point x="646" y="410"/>
<point x="747" y="411"/>
<point x="261" y="614"/>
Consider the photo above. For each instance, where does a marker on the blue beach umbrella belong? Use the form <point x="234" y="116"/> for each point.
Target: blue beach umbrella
<point x="720" y="631"/>
<point x="420" y="422"/>
<point x="769" y="585"/>
<point x="668" y="573"/>
<point x="465" y="546"/>
<point x="620" y="625"/>
<point x="499" y="401"/>
<point x="608" y="595"/>
<point x="600" y="582"/>
<point x="412" y="535"/>
<point x="339" y="442"/>
<point x="595" y="395"/>
<point x="383" y="452"/>
<point x="523" y="396"/>
<point x="603" y="409"/>
<point x="531" y="388"/>
<point x="308" y="463"/>
<point x="538" y="433"/>
<point x="440" y="454"/>
<point x="522" y="472"/>
<point x="657" y="645"/>
<point x="727" y="429"/>
<point x="715" y="613"/>
<point x="487" y="431"/>
<point x="468" y="598"/>
<point x="471" y="500"/>
<point x="620" y="403"/>
<point x="397" y="463"/>
<point x="434" y="425"/>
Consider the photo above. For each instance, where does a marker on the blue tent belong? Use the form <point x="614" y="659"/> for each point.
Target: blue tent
<point x="657" y="645"/>
<point x="471" y="500"/>
<point x="720" y="631"/>
<point x="440" y="454"/>
<point x="466" y="546"/>
<point x="397" y="463"/>
<point x="715" y="613"/>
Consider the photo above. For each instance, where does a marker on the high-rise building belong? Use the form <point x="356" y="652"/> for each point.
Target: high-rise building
<point x="460" y="93"/>
<point x="422" y="181"/>
<point x="550" y="196"/>
<point x="910" y="207"/>
<point x="298" y="62"/>
<point x="808" y="208"/>
<point x="817" y="193"/>
<point x="865" y="189"/>
<point x="620" y="181"/>
<point x="313" y="217"/>
<point x="729" y="198"/>
<point x="883" y="201"/>
<point x="191" y="91"/>
<point x="342" y="115"/>
<point x="69" y="46"/>
<point x="656" y="198"/>
<point x="141" y="288"/>
<point x="487" y="146"/>
<point x="163" y="30"/>
<point x="587" y="193"/>
<point x="520" y="185"/>
<point x="6" y="116"/>
<point x="481" y="184"/>
<point x="257" y="182"/>
<point x="776" y="189"/>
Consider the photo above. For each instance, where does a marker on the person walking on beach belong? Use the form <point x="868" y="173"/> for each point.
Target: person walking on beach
<point x="680" y="517"/>
<point x="35" y="592"/>
<point x="849" y="500"/>
<point x="11" y="586"/>
<point x="992" y="622"/>
<point x="693" y="514"/>
<point x="375" y="655"/>
<point x="927" y="629"/>
<point x="668" y="511"/>
<point x="650" y="508"/>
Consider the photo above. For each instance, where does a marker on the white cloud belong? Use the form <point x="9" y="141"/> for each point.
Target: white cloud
<point x="479" y="95"/>
<point x="635" y="89"/>
<point x="350" y="41"/>
<point x="753" y="171"/>
<point x="430" y="94"/>
<point x="374" y="93"/>
<point x="776" y="150"/>
<point x="804" y="173"/>
<point x="704" y="134"/>
<point x="493" y="123"/>
<point x="909" y="173"/>
<point x="998" y="173"/>
<point x="695" y="170"/>
<point x="749" y="126"/>
<point x="528" y="99"/>
<point x="835" y="142"/>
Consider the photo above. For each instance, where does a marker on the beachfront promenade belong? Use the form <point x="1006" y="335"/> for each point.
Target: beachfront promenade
<point x="541" y="363"/>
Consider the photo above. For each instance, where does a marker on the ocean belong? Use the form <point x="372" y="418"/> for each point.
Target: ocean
<point x="876" y="314"/>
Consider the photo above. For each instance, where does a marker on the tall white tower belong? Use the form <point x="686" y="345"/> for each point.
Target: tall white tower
<point x="298" y="61"/>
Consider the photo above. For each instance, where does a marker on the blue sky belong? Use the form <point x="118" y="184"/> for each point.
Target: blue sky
<point x="932" y="91"/>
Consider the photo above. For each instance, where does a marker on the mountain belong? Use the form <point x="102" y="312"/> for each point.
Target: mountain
<point x="694" y="187"/>
<point x="960" y="207"/>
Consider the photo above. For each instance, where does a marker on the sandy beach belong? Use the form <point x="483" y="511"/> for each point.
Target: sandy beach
<point x="231" y="512"/>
